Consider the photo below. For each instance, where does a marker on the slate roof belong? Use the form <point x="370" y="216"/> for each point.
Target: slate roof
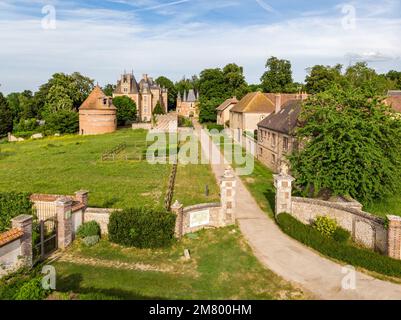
<point x="254" y="102"/>
<point x="226" y="103"/>
<point x="134" y="88"/>
<point x="191" y="96"/>
<point x="286" y="120"/>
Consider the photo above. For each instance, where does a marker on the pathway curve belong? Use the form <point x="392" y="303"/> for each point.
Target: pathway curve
<point x="292" y="260"/>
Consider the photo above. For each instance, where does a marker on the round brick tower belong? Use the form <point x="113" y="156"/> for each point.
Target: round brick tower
<point x="97" y="115"/>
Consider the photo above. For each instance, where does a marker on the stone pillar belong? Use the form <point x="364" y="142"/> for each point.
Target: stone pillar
<point x="64" y="222"/>
<point x="82" y="196"/>
<point x="178" y="209"/>
<point x="24" y="223"/>
<point x="283" y="185"/>
<point x="394" y="237"/>
<point x="228" y="185"/>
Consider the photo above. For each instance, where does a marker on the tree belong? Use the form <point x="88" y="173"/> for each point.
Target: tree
<point x="108" y="89"/>
<point x="172" y="91"/>
<point x="62" y="121"/>
<point x="158" y="109"/>
<point x="235" y="80"/>
<point x="207" y="112"/>
<point x="395" y="76"/>
<point x="278" y="77"/>
<point x="322" y="78"/>
<point x="351" y="143"/>
<point x="57" y="99"/>
<point x="126" y="109"/>
<point x="6" y="119"/>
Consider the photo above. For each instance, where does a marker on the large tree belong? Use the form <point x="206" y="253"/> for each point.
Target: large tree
<point x="126" y="109"/>
<point x="278" y="76"/>
<point x="322" y="78"/>
<point x="351" y="145"/>
<point x="108" y="89"/>
<point x="172" y="91"/>
<point x="6" y="120"/>
<point x="395" y="76"/>
<point x="235" y="80"/>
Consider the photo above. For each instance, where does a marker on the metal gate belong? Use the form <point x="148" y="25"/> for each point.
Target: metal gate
<point x="45" y="240"/>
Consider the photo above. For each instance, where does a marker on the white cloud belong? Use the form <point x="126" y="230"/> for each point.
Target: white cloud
<point x="102" y="43"/>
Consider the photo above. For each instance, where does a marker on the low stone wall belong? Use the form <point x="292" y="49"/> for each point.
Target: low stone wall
<point x="209" y="215"/>
<point x="144" y="126"/>
<point x="101" y="216"/>
<point x="366" y="229"/>
<point x="10" y="251"/>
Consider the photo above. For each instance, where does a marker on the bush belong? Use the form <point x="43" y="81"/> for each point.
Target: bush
<point x="345" y="252"/>
<point x="325" y="226"/>
<point x="13" y="204"/>
<point x="142" y="228"/>
<point x="341" y="235"/>
<point x="62" y="121"/>
<point x="214" y="126"/>
<point x="32" y="290"/>
<point x="91" y="241"/>
<point x="88" y="229"/>
<point x="28" y="125"/>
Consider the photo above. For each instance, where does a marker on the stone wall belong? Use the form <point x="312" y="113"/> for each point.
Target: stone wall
<point x="101" y="216"/>
<point x="366" y="229"/>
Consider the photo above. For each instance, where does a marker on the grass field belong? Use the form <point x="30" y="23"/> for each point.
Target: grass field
<point x="63" y="165"/>
<point x="221" y="267"/>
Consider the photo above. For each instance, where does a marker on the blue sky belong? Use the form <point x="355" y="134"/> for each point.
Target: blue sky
<point x="179" y="38"/>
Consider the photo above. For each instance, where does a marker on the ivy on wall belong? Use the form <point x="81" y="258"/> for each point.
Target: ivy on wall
<point x="13" y="204"/>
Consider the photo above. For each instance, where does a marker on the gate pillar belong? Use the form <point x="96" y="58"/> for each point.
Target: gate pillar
<point x="64" y="222"/>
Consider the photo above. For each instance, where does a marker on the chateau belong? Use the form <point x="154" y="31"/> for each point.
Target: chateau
<point x="187" y="105"/>
<point x="146" y="94"/>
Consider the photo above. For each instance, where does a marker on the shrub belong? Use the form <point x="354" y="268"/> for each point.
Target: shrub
<point x="28" y="125"/>
<point x="211" y="126"/>
<point x="142" y="228"/>
<point x="325" y="226"/>
<point x="62" y="121"/>
<point x="341" y="235"/>
<point x="345" y="252"/>
<point x="13" y="204"/>
<point x="91" y="241"/>
<point x="88" y="229"/>
<point x="32" y="290"/>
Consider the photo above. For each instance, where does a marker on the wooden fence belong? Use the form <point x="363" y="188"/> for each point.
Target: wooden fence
<point x="111" y="154"/>
<point x="170" y="190"/>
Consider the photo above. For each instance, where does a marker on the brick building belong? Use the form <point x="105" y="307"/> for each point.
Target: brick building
<point x="276" y="137"/>
<point x="146" y="94"/>
<point x="97" y="114"/>
<point x="394" y="100"/>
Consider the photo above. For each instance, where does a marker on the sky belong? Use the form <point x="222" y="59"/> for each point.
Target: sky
<point x="177" y="38"/>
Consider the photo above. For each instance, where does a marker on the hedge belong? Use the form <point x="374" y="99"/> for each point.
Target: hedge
<point x="348" y="253"/>
<point x="142" y="228"/>
<point x="13" y="204"/>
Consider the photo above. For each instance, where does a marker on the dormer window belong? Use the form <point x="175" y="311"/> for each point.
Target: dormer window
<point x="105" y="101"/>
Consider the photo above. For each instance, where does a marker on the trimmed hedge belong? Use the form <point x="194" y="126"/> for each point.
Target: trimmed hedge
<point x="342" y="251"/>
<point x="142" y="228"/>
<point x="13" y="204"/>
<point x="88" y="229"/>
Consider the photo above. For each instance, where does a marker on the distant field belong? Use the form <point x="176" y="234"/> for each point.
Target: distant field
<point x="63" y="165"/>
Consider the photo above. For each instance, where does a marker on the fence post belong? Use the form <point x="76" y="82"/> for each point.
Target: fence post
<point x="24" y="223"/>
<point x="178" y="209"/>
<point x="394" y="237"/>
<point x="228" y="185"/>
<point x="64" y="221"/>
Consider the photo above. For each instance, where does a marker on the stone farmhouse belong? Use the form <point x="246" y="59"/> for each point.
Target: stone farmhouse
<point x="187" y="105"/>
<point x="276" y="137"/>
<point x="253" y="108"/>
<point x="394" y="100"/>
<point x="223" y="111"/>
<point x="146" y="94"/>
<point x="97" y="114"/>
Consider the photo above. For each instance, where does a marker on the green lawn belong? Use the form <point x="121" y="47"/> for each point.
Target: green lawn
<point x="222" y="266"/>
<point x="63" y="165"/>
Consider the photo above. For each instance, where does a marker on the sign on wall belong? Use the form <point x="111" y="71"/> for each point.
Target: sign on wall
<point x="199" y="218"/>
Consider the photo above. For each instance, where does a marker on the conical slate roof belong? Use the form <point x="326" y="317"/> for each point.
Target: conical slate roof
<point x="191" y="96"/>
<point x="96" y="101"/>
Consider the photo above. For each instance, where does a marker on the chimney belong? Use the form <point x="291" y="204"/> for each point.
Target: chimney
<point x="278" y="102"/>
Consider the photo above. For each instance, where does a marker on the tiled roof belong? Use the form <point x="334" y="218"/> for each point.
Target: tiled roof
<point x="227" y="103"/>
<point x="254" y="102"/>
<point x="94" y="101"/>
<point x="9" y="236"/>
<point x="392" y="93"/>
<point x="286" y="120"/>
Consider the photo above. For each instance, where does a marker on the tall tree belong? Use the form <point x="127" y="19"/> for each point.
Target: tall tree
<point x="6" y="119"/>
<point x="172" y="91"/>
<point x="108" y="89"/>
<point x="322" y="78"/>
<point x="351" y="145"/>
<point x="395" y="76"/>
<point x="278" y="77"/>
<point x="57" y="99"/>
<point x="235" y="80"/>
<point x="126" y="109"/>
